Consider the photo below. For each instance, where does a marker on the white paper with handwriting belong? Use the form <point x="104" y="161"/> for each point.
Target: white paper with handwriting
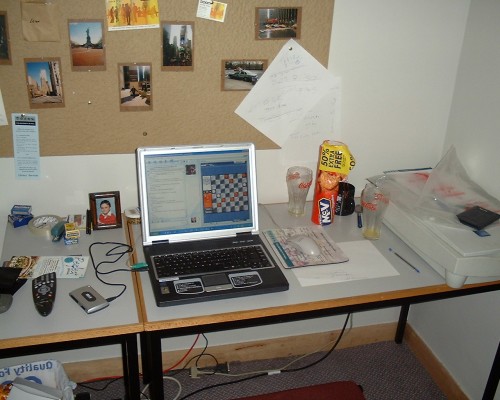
<point x="296" y="98"/>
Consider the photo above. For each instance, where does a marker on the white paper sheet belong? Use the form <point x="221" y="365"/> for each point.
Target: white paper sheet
<point x="296" y="98"/>
<point x="365" y="262"/>
<point x="26" y="146"/>
<point x="3" y="116"/>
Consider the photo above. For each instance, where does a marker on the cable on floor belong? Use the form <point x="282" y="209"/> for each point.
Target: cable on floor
<point x="257" y="374"/>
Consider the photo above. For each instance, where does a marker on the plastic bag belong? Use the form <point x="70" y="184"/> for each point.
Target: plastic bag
<point x="48" y="372"/>
<point x="449" y="191"/>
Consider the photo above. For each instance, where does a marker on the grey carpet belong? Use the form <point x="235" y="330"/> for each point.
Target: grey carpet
<point x="386" y="371"/>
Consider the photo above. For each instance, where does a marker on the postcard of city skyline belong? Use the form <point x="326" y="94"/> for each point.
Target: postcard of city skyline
<point x="44" y="82"/>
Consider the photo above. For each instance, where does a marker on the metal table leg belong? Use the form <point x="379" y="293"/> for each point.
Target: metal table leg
<point x="492" y="383"/>
<point x="155" y="365"/>
<point x="131" y="367"/>
<point x="403" y="316"/>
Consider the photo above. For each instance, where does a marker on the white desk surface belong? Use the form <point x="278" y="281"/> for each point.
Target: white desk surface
<point x="297" y="298"/>
<point x="22" y="325"/>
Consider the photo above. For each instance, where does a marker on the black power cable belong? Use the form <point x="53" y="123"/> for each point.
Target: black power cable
<point x="117" y="252"/>
<point x="258" y="375"/>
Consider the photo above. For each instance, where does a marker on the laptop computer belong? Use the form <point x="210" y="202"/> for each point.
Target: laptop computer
<point x="195" y="200"/>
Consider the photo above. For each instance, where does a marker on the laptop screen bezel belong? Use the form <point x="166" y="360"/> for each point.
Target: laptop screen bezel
<point x="141" y="155"/>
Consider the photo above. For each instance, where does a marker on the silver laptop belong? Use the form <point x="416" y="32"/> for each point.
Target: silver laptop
<point x="200" y="231"/>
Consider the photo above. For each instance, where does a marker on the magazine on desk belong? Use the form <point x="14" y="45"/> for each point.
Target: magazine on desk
<point x="291" y="257"/>
<point x="63" y="266"/>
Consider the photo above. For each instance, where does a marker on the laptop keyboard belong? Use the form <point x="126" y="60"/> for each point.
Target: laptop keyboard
<point x="210" y="261"/>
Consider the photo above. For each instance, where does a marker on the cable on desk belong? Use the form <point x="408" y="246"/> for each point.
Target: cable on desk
<point x="117" y="252"/>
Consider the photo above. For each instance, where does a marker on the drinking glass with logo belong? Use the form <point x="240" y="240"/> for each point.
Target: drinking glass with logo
<point x="298" y="181"/>
<point x="374" y="199"/>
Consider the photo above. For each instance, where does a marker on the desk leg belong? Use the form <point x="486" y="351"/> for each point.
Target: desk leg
<point x="131" y="367"/>
<point x="403" y="316"/>
<point x="492" y="384"/>
<point x="145" y="351"/>
<point x="155" y="365"/>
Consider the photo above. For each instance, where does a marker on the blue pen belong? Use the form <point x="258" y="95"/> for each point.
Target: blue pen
<point x="401" y="258"/>
<point x="359" y="210"/>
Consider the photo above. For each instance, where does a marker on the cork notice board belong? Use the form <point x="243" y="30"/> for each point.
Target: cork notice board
<point x="188" y="106"/>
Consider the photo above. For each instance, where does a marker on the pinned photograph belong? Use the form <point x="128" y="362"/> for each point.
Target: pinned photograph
<point x="177" y="46"/>
<point x="105" y="210"/>
<point x="5" y="57"/>
<point x="135" y="87"/>
<point x="132" y="14"/>
<point x="241" y="74"/>
<point x="86" y="43"/>
<point x="212" y="10"/>
<point x="44" y="82"/>
<point x="277" y="23"/>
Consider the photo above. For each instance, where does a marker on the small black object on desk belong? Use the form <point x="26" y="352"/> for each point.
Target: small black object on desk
<point x="44" y="293"/>
<point x="477" y="217"/>
<point x="88" y="228"/>
<point x="5" y="302"/>
<point x="9" y="285"/>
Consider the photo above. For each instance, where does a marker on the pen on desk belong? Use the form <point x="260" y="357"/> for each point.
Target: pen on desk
<point x="359" y="209"/>
<point x="407" y="262"/>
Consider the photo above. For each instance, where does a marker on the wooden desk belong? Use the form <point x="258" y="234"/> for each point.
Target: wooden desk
<point x="300" y="303"/>
<point x="25" y="332"/>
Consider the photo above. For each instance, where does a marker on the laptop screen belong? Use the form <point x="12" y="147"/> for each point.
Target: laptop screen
<point x="196" y="192"/>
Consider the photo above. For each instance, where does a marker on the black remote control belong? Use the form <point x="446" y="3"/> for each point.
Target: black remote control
<point x="44" y="293"/>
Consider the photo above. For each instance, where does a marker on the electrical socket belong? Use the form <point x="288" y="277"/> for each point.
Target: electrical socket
<point x="223" y="368"/>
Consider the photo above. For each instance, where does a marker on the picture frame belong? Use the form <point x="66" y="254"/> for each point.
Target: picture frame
<point x="177" y="45"/>
<point x="86" y="44"/>
<point x="105" y="210"/>
<point x="44" y="82"/>
<point x="238" y="74"/>
<point x="135" y="86"/>
<point x="5" y="55"/>
<point x="278" y="23"/>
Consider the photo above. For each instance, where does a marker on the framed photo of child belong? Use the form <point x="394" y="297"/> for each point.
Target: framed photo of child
<point x="105" y="210"/>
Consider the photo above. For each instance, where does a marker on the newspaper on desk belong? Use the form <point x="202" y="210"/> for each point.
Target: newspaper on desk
<point x="63" y="266"/>
<point x="290" y="257"/>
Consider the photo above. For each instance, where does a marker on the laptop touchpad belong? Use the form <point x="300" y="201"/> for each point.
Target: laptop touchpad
<point x="216" y="282"/>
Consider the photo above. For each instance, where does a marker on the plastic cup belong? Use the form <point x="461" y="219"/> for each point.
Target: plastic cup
<point x="298" y="181"/>
<point x="374" y="200"/>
